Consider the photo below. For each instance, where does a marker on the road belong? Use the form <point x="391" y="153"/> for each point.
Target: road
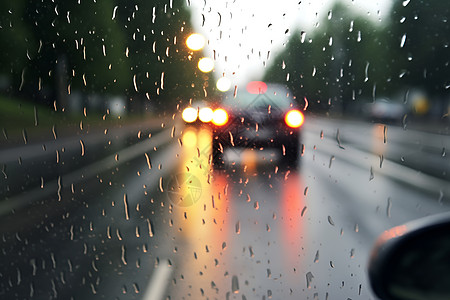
<point x="125" y="215"/>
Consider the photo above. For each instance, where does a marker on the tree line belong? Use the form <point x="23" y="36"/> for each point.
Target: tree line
<point x="51" y="49"/>
<point x="349" y="58"/>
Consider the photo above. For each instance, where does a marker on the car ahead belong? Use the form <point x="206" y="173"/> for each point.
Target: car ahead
<point x="260" y="116"/>
<point x="385" y="110"/>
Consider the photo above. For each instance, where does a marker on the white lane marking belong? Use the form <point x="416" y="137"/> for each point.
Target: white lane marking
<point x="390" y="169"/>
<point x="159" y="281"/>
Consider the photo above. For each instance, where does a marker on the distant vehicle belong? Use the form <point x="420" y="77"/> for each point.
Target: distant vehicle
<point x="197" y="112"/>
<point x="259" y="116"/>
<point x="385" y="110"/>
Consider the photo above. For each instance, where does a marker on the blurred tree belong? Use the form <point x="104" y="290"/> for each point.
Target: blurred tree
<point x="420" y="39"/>
<point x="343" y="60"/>
<point x="349" y="58"/>
<point x="113" y="47"/>
<point x="162" y="67"/>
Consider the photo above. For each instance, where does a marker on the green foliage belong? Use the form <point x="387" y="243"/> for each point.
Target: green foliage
<point x="129" y="48"/>
<point x="349" y="58"/>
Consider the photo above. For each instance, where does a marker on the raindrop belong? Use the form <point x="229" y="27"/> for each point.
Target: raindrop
<point x="235" y="284"/>
<point x="371" y="174"/>
<point x="366" y="71"/>
<point x="24" y="136"/>
<point x="224" y="245"/>
<point x="316" y="258"/>
<point x="267" y="228"/>
<point x="250" y="249"/>
<point x="269" y="273"/>
<point x="36" y="119"/>
<point x="330" y="14"/>
<point x="402" y="42"/>
<point x="114" y="12"/>
<point x="443" y="152"/>
<point x="405" y="2"/>
<point x="356" y="227"/>
<point x="238" y="227"/>
<point x="82" y="147"/>
<point x="303" y="211"/>
<point x="331" y="161"/>
<point x="150" y="228"/>
<point x="256" y="205"/>
<point x="302" y="36"/>
<point x="331" y="264"/>
<point x="330" y="220"/>
<point x="352" y="253"/>
<point x="125" y="203"/>
<point x="314" y="71"/>
<point x="351" y="26"/>
<point x="124" y="259"/>
<point x="358" y="39"/>
<point x="388" y="207"/>
<point x="309" y="278"/>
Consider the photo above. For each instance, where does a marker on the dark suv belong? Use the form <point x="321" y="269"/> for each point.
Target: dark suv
<point x="260" y="116"/>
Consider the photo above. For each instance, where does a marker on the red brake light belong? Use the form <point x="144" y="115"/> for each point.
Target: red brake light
<point x="220" y="117"/>
<point x="256" y="87"/>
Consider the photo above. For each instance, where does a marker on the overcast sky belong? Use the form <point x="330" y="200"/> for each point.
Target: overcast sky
<point x="243" y="34"/>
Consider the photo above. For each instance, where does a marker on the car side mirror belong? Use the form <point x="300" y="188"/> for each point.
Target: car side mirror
<point x="412" y="261"/>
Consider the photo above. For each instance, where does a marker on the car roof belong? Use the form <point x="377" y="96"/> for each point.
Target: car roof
<point x="275" y="95"/>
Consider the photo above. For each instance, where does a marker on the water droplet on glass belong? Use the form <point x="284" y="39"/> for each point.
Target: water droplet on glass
<point x="316" y="258"/>
<point x="302" y="36"/>
<point x="406" y="2"/>
<point x="388" y="207"/>
<point x="403" y="40"/>
<point x="238" y="227"/>
<point x="330" y="220"/>
<point x="371" y="174"/>
<point x="309" y="278"/>
<point x="304" y="211"/>
<point x="235" y="284"/>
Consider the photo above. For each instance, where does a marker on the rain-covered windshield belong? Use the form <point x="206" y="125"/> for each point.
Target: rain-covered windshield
<point x="127" y="172"/>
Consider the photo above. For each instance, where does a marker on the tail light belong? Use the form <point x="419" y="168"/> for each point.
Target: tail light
<point x="189" y="115"/>
<point x="220" y="117"/>
<point x="294" y="118"/>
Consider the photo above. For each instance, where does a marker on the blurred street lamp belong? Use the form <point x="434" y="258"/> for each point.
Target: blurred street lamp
<point x="223" y="84"/>
<point x="206" y="64"/>
<point x="195" y="42"/>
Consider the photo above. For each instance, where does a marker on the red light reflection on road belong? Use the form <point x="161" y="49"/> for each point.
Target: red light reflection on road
<point x="292" y="205"/>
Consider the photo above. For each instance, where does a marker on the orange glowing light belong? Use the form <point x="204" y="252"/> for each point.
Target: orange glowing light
<point x="294" y="118"/>
<point x="220" y="117"/>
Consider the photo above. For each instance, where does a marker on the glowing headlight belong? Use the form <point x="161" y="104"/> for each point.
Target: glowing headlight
<point x="189" y="114"/>
<point x="205" y="114"/>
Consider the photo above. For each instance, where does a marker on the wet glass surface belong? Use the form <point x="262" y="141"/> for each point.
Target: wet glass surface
<point x="111" y="189"/>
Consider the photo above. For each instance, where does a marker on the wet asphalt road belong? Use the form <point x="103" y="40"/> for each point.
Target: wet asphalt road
<point x="146" y="218"/>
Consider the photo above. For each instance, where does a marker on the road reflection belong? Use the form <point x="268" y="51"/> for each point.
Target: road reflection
<point x="237" y="232"/>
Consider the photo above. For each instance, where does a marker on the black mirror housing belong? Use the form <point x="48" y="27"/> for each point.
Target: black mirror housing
<point x="412" y="261"/>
